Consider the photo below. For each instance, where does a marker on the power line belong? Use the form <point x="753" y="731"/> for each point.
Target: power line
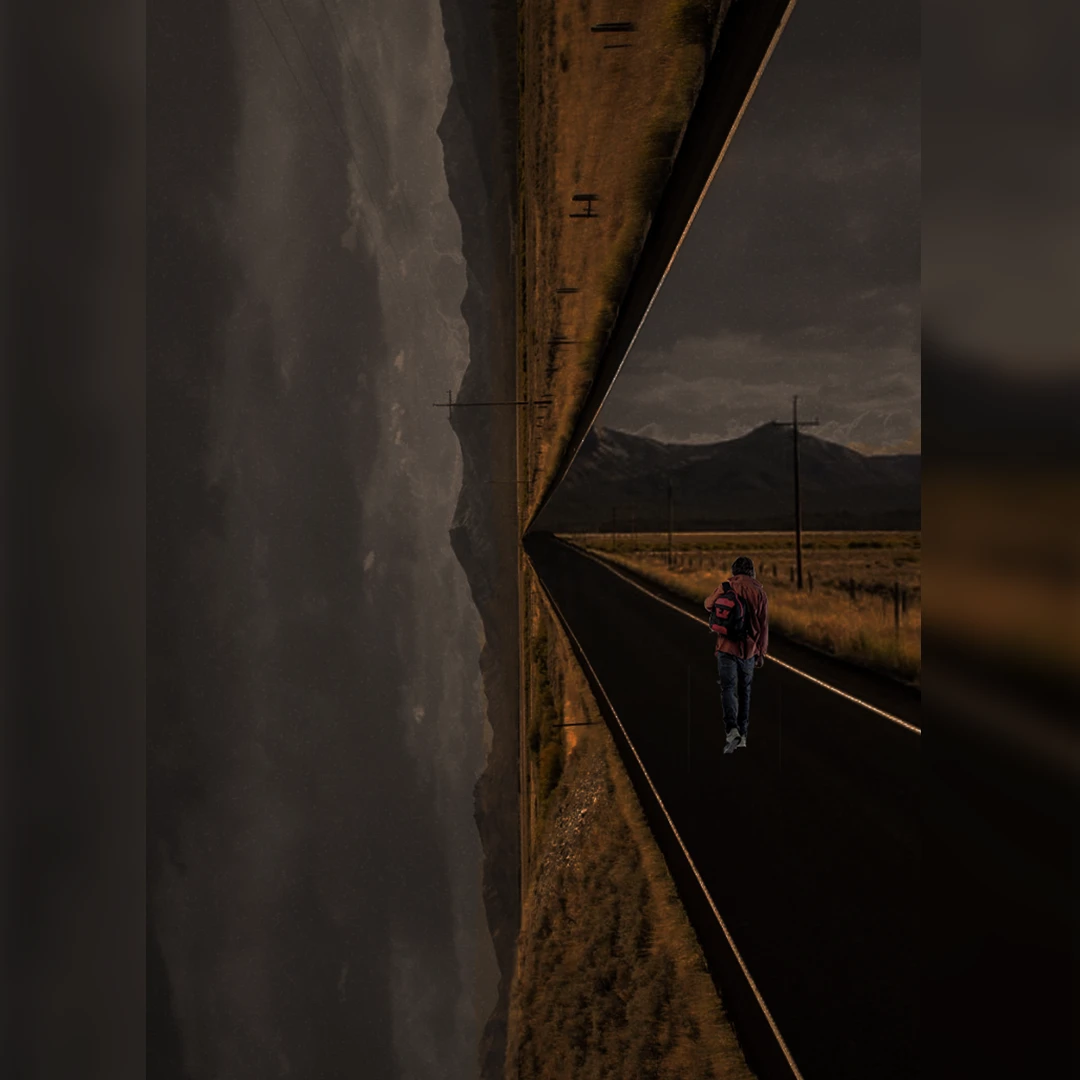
<point x="343" y="40"/>
<point x="281" y="53"/>
<point x="326" y="98"/>
<point x="307" y="99"/>
<point x="315" y="71"/>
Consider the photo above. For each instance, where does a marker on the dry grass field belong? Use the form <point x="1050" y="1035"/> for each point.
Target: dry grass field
<point x="609" y="981"/>
<point x="847" y="606"/>
<point x="595" y="119"/>
<point x="545" y="706"/>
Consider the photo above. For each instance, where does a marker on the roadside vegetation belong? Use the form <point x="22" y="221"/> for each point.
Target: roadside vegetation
<point x="862" y="591"/>
<point x="610" y="981"/>
<point x="600" y="113"/>
<point x="543" y="739"/>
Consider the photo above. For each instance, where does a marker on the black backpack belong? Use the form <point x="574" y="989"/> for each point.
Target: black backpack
<point x="730" y="617"/>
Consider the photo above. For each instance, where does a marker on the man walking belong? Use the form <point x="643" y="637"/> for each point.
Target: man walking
<point x="742" y="640"/>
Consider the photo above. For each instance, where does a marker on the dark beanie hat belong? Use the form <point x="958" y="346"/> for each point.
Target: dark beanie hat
<point x="743" y="565"/>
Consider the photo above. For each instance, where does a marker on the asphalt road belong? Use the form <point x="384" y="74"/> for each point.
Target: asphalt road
<point x="808" y="840"/>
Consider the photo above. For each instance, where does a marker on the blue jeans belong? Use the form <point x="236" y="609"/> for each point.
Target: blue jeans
<point x="736" y="678"/>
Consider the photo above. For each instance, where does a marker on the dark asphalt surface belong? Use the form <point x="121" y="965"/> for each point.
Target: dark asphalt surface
<point x="808" y="840"/>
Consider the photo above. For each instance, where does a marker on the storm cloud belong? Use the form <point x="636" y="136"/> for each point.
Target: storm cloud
<point x="801" y="271"/>
<point x="315" y="901"/>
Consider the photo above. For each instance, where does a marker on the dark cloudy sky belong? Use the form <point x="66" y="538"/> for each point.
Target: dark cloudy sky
<point x="314" y="739"/>
<point x="801" y="272"/>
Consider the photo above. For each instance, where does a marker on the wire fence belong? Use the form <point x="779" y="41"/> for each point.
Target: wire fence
<point x="896" y="599"/>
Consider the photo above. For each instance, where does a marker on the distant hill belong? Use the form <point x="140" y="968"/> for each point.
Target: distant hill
<point x="743" y="483"/>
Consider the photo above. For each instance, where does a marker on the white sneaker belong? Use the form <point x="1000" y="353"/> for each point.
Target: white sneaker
<point x="740" y="743"/>
<point x="732" y="740"/>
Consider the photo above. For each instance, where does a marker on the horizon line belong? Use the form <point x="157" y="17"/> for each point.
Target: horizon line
<point x="855" y="448"/>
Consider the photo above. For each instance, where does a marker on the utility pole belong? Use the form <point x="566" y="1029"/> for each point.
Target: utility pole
<point x="794" y="425"/>
<point x="588" y="199"/>
<point x="450" y="404"/>
<point x="670" y="521"/>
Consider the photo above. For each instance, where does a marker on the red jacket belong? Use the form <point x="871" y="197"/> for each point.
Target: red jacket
<point x="757" y="603"/>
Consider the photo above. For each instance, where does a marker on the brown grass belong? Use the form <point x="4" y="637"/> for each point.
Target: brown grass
<point x="610" y="981"/>
<point x="544" y="696"/>
<point x="849" y="612"/>
<point x="592" y="120"/>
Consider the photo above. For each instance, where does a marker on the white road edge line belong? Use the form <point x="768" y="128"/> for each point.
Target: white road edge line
<point x="705" y="622"/>
<point x="693" y="866"/>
